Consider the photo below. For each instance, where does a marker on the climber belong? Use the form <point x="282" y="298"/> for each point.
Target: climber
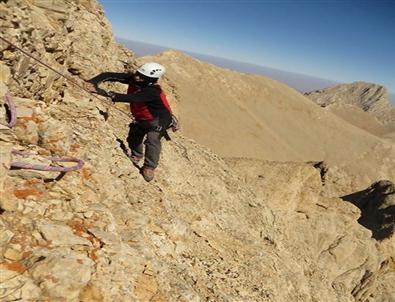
<point x="149" y="107"/>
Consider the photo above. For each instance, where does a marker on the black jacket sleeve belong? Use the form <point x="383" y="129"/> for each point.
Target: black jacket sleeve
<point x="123" y="78"/>
<point x="145" y="95"/>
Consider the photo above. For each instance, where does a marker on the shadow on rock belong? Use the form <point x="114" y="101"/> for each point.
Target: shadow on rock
<point x="377" y="205"/>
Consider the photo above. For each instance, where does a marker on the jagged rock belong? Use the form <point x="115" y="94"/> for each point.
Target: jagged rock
<point x="12" y="255"/>
<point x="62" y="275"/>
<point x="5" y="237"/>
<point x="5" y="159"/>
<point x="4" y="74"/>
<point x="16" y="287"/>
<point x="369" y="97"/>
<point x="105" y="237"/>
<point x="51" y="40"/>
<point x="377" y="204"/>
<point x="60" y="235"/>
<point x="315" y="218"/>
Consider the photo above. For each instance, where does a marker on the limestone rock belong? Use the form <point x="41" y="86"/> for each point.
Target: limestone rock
<point x="369" y="97"/>
<point x="14" y="287"/>
<point x="105" y="237"/>
<point x="377" y="205"/>
<point x="4" y="73"/>
<point x="12" y="255"/>
<point x="62" y="275"/>
<point x="5" y="160"/>
<point x="333" y="255"/>
<point x="60" y="235"/>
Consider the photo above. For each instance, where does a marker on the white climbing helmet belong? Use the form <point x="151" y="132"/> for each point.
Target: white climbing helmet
<point x="152" y="70"/>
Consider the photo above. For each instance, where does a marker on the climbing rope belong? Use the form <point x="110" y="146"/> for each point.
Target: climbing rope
<point x="40" y="167"/>
<point x="11" y="111"/>
<point x="12" y="121"/>
<point x="68" y="78"/>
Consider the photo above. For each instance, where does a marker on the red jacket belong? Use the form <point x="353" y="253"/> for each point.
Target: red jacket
<point x="148" y="103"/>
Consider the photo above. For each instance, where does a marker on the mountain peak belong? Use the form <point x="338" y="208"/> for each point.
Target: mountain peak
<point x="370" y="97"/>
<point x="173" y="53"/>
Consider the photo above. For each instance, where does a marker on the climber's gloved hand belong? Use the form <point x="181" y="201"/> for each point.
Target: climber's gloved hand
<point x="91" y="87"/>
<point x="174" y="125"/>
<point x="111" y="94"/>
<point x="102" y="92"/>
<point x="95" y="89"/>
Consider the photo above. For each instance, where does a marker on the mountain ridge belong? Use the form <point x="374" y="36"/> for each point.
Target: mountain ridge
<point x="370" y="97"/>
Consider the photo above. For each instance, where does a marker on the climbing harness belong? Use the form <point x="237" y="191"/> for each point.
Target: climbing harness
<point x="40" y="167"/>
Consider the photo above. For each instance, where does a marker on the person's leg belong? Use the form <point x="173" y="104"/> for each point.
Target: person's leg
<point x="135" y="140"/>
<point x="152" y="149"/>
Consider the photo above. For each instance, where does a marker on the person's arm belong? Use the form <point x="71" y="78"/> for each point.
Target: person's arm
<point x="123" y="78"/>
<point x="144" y="95"/>
<point x="92" y="85"/>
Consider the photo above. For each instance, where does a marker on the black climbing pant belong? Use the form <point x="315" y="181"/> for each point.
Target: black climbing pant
<point x="153" y="133"/>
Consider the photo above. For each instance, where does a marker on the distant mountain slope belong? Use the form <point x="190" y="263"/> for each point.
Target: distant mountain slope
<point x="369" y="97"/>
<point x="239" y="115"/>
<point x="298" y="81"/>
<point x="359" y="118"/>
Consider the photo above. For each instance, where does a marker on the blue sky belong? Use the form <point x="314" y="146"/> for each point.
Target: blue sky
<point x="343" y="41"/>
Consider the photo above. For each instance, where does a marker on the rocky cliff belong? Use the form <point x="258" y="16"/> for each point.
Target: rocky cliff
<point x="369" y="97"/>
<point x="204" y="230"/>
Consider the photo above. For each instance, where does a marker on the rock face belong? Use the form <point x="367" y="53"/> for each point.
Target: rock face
<point x="369" y="97"/>
<point x="203" y="230"/>
<point x="73" y="37"/>
<point x="320" y="217"/>
<point x="377" y="204"/>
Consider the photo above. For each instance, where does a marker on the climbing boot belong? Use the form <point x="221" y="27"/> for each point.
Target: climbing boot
<point x="148" y="173"/>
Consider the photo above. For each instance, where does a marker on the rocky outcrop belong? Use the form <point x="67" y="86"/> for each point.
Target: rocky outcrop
<point x="377" y="204"/>
<point x="313" y="213"/>
<point x="369" y="97"/>
<point x="202" y="230"/>
<point x="72" y="37"/>
<point x="378" y="215"/>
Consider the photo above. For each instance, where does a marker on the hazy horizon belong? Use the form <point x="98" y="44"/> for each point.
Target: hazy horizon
<point x="299" y="81"/>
